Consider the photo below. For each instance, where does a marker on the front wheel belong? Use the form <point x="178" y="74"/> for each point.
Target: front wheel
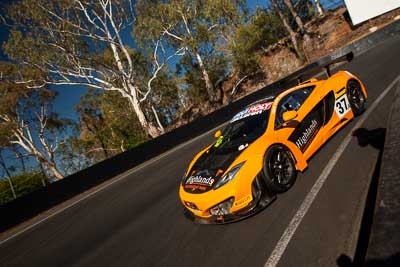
<point x="279" y="169"/>
<point x="356" y="97"/>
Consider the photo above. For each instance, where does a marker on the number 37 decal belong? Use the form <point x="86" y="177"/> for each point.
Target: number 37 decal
<point x="342" y="105"/>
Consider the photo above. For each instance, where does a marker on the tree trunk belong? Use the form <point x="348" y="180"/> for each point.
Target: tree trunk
<point x="297" y="19"/>
<point x="52" y="167"/>
<point x="292" y="34"/>
<point x="160" y="126"/>
<point x="3" y="165"/>
<point x="19" y="156"/>
<point x="148" y="126"/>
<point x="207" y="80"/>
<point x="319" y="8"/>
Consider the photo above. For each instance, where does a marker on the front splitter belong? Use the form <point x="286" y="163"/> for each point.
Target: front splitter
<point x="246" y="212"/>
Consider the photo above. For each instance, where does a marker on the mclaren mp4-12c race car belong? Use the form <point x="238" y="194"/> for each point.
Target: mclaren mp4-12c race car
<point x="260" y="151"/>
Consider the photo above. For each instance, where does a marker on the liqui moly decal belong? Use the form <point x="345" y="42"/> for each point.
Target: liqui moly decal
<point x="251" y="111"/>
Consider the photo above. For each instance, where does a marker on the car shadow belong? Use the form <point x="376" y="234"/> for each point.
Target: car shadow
<point x="391" y="261"/>
<point x="376" y="139"/>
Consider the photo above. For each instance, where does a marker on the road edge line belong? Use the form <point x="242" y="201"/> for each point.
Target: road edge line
<point x="283" y="242"/>
<point x="105" y="185"/>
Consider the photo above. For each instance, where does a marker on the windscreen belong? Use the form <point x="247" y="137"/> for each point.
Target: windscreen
<point x="245" y="128"/>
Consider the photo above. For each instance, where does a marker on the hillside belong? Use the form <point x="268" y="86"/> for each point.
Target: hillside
<point x="327" y="34"/>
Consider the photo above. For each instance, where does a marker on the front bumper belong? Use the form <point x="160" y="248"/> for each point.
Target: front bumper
<point x="253" y="208"/>
<point x="262" y="197"/>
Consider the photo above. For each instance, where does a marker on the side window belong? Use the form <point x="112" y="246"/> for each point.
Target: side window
<point x="292" y="101"/>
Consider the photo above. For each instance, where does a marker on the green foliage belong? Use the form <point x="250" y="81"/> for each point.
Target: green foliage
<point x="27" y="121"/>
<point x="262" y="30"/>
<point x="106" y="125"/>
<point x="165" y="97"/>
<point x="23" y="184"/>
<point x="73" y="155"/>
<point x="199" y="26"/>
<point x="191" y="75"/>
<point x="44" y="42"/>
<point x="305" y="10"/>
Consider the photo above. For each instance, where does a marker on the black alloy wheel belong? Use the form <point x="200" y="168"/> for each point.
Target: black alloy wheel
<point x="356" y="97"/>
<point x="279" y="169"/>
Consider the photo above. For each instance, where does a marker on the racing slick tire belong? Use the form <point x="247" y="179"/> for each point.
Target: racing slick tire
<point x="356" y="97"/>
<point x="279" y="169"/>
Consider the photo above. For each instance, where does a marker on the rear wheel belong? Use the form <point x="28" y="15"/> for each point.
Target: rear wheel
<point x="279" y="169"/>
<point x="356" y="97"/>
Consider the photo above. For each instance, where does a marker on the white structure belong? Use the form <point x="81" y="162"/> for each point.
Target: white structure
<point x="362" y="10"/>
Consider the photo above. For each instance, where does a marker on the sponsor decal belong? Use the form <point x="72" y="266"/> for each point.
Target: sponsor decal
<point x="251" y="111"/>
<point x="199" y="180"/>
<point x="342" y="105"/>
<point x="219" y="141"/>
<point x="195" y="187"/>
<point x="243" y="200"/>
<point x="303" y="139"/>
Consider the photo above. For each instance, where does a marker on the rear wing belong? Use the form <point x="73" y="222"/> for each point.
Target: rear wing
<point x="324" y="63"/>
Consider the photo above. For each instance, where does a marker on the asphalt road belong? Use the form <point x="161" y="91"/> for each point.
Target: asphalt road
<point x="138" y="220"/>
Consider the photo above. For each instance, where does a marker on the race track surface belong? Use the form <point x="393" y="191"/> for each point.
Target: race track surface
<point x="138" y="220"/>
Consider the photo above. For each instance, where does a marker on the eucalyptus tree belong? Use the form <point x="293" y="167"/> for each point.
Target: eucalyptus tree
<point x="253" y="38"/>
<point x="297" y="18"/>
<point x="106" y="128"/>
<point x="27" y="122"/>
<point x="193" y="27"/>
<point x="289" y="29"/>
<point x="319" y="8"/>
<point x="84" y="43"/>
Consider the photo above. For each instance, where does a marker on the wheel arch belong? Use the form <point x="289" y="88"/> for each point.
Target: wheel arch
<point x="354" y="78"/>
<point x="298" y="157"/>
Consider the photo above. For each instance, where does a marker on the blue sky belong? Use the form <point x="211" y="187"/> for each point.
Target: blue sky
<point x="69" y="96"/>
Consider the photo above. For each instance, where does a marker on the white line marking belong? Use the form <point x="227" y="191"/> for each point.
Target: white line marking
<point x="117" y="179"/>
<point x="298" y="217"/>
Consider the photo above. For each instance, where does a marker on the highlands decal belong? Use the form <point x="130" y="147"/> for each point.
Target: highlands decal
<point x="307" y="134"/>
<point x="200" y="180"/>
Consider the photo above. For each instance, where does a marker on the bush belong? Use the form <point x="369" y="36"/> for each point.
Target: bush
<point x="23" y="184"/>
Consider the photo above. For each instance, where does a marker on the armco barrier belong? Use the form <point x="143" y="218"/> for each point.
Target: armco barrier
<point x="32" y="204"/>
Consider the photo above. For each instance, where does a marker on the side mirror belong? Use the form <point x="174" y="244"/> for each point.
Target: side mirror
<point x="289" y="115"/>
<point x="218" y="134"/>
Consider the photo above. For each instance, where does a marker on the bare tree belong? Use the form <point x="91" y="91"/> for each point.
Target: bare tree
<point x="193" y="25"/>
<point x="297" y="19"/>
<point x="292" y="33"/>
<point x="319" y="8"/>
<point x="21" y="135"/>
<point x="26" y="124"/>
<point x="82" y="43"/>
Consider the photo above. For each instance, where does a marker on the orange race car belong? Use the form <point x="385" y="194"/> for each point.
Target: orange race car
<point x="263" y="147"/>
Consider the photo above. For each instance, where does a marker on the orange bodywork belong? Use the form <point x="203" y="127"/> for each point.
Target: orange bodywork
<point x="240" y="188"/>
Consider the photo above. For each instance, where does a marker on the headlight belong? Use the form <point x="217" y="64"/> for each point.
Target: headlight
<point x="229" y="176"/>
<point x="223" y="208"/>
